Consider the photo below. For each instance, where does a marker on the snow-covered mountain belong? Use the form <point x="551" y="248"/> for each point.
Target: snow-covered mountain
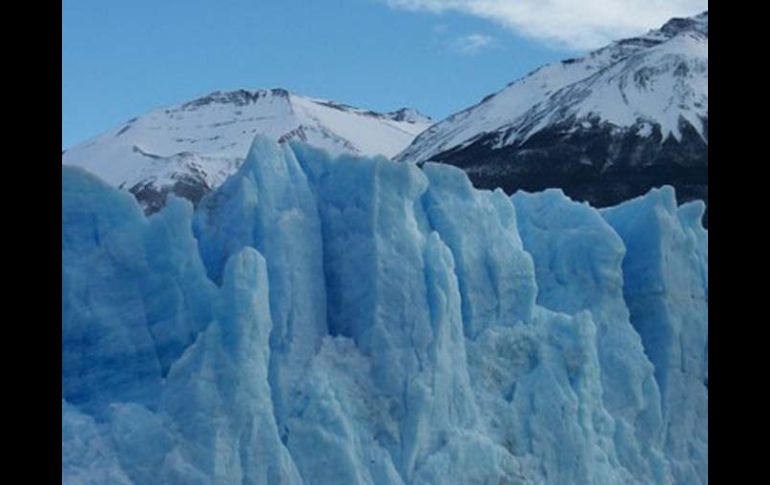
<point x="190" y="149"/>
<point x="605" y="127"/>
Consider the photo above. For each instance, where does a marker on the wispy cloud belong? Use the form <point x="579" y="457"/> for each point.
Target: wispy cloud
<point x="575" y="24"/>
<point x="471" y="44"/>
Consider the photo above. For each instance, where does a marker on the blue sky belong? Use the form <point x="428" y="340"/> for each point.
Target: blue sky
<point x="121" y="59"/>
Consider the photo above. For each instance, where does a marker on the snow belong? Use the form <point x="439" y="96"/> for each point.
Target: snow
<point x="660" y="77"/>
<point x="645" y="130"/>
<point x="322" y="319"/>
<point x="666" y="96"/>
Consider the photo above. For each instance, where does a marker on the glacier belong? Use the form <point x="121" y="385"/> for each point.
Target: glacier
<point x="349" y="320"/>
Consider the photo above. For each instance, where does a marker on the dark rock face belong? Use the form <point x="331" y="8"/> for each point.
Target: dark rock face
<point x="409" y="115"/>
<point x="676" y="25"/>
<point x="153" y="198"/>
<point x="601" y="164"/>
<point x="241" y="97"/>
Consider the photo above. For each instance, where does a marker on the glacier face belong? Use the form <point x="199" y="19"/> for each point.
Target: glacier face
<point x="351" y="320"/>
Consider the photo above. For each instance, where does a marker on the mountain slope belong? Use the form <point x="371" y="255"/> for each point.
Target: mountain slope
<point x="605" y="127"/>
<point x="190" y="149"/>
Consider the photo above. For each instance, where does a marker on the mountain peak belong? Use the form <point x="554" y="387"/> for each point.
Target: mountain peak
<point x="240" y="97"/>
<point x="410" y="115"/>
<point x="614" y="84"/>
<point x="191" y="148"/>
<point x="678" y="25"/>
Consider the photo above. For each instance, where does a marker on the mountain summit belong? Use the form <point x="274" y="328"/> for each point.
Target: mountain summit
<point x="191" y="148"/>
<point x="605" y="127"/>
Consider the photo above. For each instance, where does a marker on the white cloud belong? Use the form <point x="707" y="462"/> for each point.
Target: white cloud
<point x="471" y="44"/>
<point x="576" y="24"/>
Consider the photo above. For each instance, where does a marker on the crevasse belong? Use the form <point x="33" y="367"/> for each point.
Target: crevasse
<point x="348" y="320"/>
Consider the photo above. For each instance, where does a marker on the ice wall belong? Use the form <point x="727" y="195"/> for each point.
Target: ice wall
<point x="666" y="291"/>
<point x="347" y="320"/>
